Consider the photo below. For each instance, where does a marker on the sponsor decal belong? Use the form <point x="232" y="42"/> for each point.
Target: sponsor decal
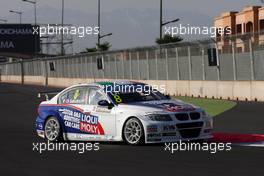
<point x="169" y="128"/>
<point x="84" y="122"/>
<point x="40" y="126"/>
<point x="102" y="109"/>
<point x="89" y="124"/>
<point x="71" y="118"/>
<point x="175" y="108"/>
<point x="171" y="106"/>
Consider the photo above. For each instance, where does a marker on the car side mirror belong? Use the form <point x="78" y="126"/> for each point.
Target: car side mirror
<point x="168" y="97"/>
<point x="105" y="103"/>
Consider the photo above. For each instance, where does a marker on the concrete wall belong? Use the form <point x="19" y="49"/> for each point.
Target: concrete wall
<point x="38" y="80"/>
<point x="234" y="90"/>
<point x="11" y="79"/>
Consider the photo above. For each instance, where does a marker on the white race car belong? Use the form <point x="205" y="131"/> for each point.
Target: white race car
<point x="120" y="111"/>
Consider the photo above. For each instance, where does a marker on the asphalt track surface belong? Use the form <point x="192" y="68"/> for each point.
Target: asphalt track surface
<point x="18" y="109"/>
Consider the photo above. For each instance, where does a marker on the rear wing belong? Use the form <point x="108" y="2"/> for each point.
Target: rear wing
<point x="48" y="95"/>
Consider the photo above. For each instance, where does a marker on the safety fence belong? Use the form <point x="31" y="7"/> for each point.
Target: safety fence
<point x="239" y="59"/>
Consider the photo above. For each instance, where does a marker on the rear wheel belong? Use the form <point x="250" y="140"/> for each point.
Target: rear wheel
<point x="133" y="132"/>
<point x="53" y="129"/>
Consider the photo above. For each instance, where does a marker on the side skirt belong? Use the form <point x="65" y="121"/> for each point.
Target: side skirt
<point x="88" y="137"/>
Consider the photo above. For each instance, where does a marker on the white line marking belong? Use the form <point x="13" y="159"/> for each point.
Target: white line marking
<point x="255" y="144"/>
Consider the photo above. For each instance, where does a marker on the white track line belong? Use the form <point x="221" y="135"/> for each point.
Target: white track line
<point x="254" y="144"/>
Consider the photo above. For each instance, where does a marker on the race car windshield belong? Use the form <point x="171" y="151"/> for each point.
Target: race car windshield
<point x="130" y="97"/>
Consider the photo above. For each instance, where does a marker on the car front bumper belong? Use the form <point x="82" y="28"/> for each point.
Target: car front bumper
<point x="173" y="132"/>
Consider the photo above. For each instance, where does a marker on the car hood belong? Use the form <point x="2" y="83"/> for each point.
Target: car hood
<point x="160" y="105"/>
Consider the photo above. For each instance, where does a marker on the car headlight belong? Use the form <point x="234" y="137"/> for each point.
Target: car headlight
<point x="204" y="114"/>
<point x="159" y="117"/>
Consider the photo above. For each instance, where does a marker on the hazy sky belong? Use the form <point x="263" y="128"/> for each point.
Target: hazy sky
<point x="139" y="21"/>
<point x="208" y="7"/>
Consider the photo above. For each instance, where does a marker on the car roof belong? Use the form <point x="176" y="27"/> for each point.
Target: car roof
<point x="103" y="84"/>
<point x="120" y="83"/>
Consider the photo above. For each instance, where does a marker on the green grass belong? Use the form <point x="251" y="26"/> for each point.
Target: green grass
<point x="211" y="106"/>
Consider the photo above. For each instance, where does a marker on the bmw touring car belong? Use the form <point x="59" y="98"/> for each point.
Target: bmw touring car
<point x="100" y="112"/>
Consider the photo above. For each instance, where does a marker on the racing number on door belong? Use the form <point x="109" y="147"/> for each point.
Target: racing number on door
<point x="117" y="98"/>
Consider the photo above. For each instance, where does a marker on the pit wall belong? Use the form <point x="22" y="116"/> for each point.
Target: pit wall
<point x="233" y="90"/>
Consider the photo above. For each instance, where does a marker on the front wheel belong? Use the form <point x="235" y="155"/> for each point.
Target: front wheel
<point x="133" y="132"/>
<point x="53" y="130"/>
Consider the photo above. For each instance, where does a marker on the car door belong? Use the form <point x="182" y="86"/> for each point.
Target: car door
<point x="71" y="104"/>
<point x="103" y="116"/>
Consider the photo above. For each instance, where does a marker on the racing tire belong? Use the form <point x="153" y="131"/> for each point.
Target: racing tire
<point x="53" y="130"/>
<point x="133" y="132"/>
